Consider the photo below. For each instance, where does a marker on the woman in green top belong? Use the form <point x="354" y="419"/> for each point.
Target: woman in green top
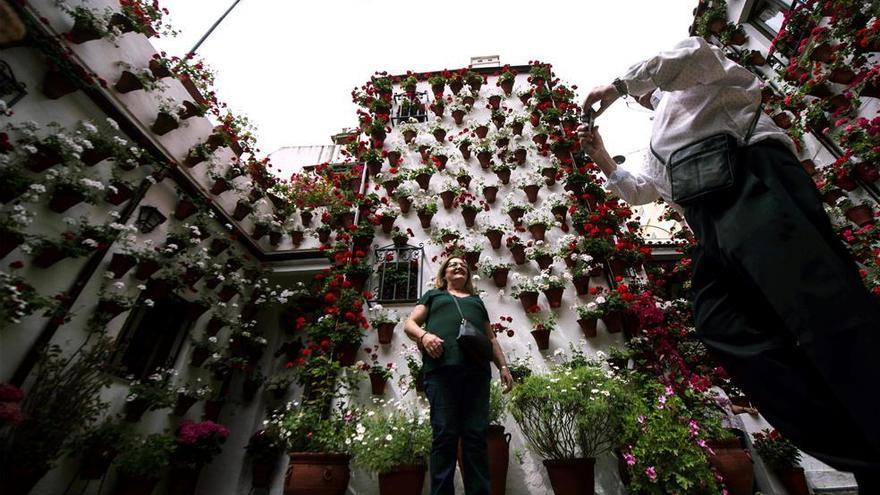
<point x="457" y="388"/>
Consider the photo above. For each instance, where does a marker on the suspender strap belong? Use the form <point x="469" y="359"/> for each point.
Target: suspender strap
<point x="748" y="137"/>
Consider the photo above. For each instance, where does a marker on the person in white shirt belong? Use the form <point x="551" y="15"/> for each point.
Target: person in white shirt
<point x="777" y="299"/>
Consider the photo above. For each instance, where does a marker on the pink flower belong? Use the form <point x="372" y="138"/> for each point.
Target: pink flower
<point x="630" y="459"/>
<point x="651" y="473"/>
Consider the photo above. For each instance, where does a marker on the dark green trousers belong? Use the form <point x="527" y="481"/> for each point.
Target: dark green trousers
<point x="459" y="398"/>
<point x="779" y="302"/>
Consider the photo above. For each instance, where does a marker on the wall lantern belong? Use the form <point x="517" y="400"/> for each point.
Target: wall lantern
<point x="149" y="217"/>
<point x="11" y="90"/>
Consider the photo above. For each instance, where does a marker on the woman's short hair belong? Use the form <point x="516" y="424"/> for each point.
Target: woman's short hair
<point x="440" y="279"/>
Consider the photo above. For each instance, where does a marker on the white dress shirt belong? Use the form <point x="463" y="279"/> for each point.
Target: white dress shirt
<point x="703" y="93"/>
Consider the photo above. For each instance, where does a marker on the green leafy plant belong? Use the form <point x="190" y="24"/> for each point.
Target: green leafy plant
<point x="146" y="457"/>
<point x="385" y="439"/>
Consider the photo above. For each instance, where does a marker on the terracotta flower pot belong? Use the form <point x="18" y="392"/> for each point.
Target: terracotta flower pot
<point x="494" y="237"/>
<point x="842" y="75"/>
<point x="48" y="257"/>
<point x="503" y="175"/>
<point x="734" y="465"/>
<point x="447" y="197"/>
<point x="794" y="481"/>
<point x="581" y="284"/>
<point x="120" y="264"/>
<point x="261" y="474"/>
<point x="538" y="230"/>
<point x="572" y="476"/>
<point x="531" y="192"/>
<point x="519" y="254"/>
<point x="82" y="32"/>
<point x="93" y="156"/>
<point x="317" y="474"/>
<point x="464" y="181"/>
<point x="469" y="215"/>
<point x="242" y="209"/>
<point x="528" y="299"/>
<point x="845" y="183"/>
<point x="385" y="332"/>
<point x="10" y="241"/>
<point x="184" y="402"/>
<point x="387" y="223"/>
<point x="544" y="261"/>
<point x="134" y="409"/>
<point x="57" y="84"/>
<point x="164" y="124"/>
<point x="128" y="82"/>
<point x="458" y="116"/>
<point x="866" y="172"/>
<point x="409" y="478"/>
<point x="517" y="128"/>
<point x="542" y="339"/>
<point x="485" y="158"/>
<point x="613" y="321"/>
<point x="490" y="193"/>
<point x="96" y="462"/>
<point x="405" y="204"/>
<point x="516" y="215"/>
<point x="499" y="276"/>
<point x="860" y="215"/>
<point x="377" y="383"/>
<point x="63" y="199"/>
<point x="424" y="180"/>
<point x="425" y="219"/>
<point x="554" y="296"/>
<point x="146" y="269"/>
<point x="219" y="186"/>
<point x="588" y="326"/>
<point x="123" y="193"/>
<point x="455" y="86"/>
<point x="226" y="293"/>
<point x="390" y="186"/>
<point x="472" y="258"/>
<point x="212" y="410"/>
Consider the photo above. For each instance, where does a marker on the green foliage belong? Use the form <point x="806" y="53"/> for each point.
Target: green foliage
<point x="497" y="404"/>
<point x="385" y="439"/>
<point x="570" y="412"/>
<point x="312" y="427"/>
<point x="662" y="446"/>
<point x="62" y="402"/>
<point x="777" y="451"/>
<point x="146" y="457"/>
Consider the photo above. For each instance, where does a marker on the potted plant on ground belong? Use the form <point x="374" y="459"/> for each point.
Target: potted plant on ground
<point x="569" y="417"/>
<point x="196" y="445"/>
<point x="264" y="448"/>
<point x="140" y="465"/>
<point x="661" y="453"/>
<point x="99" y="447"/>
<point x="783" y="458"/>
<point x="316" y="444"/>
<point x="395" y="444"/>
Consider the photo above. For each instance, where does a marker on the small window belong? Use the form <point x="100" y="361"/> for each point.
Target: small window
<point x="152" y="336"/>
<point x="398" y="274"/>
<point x="411" y="107"/>
<point x="768" y="15"/>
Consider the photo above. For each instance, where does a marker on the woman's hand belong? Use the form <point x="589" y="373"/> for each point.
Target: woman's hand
<point x="506" y="380"/>
<point x="433" y="345"/>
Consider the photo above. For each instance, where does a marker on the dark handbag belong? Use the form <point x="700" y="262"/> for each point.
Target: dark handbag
<point x="471" y="340"/>
<point x="704" y="168"/>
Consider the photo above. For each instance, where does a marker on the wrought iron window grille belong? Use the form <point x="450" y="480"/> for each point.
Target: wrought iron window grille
<point x="398" y="273"/>
<point x="415" y="106"/>
<point x="10" y="86"/>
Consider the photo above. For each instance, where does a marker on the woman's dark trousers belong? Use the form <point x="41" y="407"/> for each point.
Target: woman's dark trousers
<point x="459" y="398"/>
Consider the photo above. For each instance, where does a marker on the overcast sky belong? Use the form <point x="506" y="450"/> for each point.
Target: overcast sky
<point x="291" y="65"/>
